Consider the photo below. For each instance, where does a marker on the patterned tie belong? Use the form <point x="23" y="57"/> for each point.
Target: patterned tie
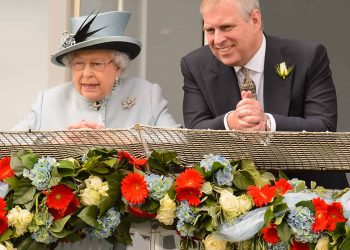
<point x="248" y="83"/>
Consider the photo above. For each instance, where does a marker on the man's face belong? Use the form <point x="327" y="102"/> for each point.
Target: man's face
<point x="233" y="40"/>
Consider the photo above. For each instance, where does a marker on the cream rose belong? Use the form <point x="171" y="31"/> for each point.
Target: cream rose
<point x="93" y="182"/>
<point x="214" y="242"/>
<point x="20" y="219"/>
<point x="229" y="204"/>
<point x="8" y="246"/>
<point x="90" y="197"/>
<point x="245" y="203"/>
<point x="322" y="244"/>
<point x="166" y="212"/>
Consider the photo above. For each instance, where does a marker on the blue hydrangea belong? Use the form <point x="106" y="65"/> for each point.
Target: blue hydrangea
<point x="158" y="185"/>
<point x="40" y="174"/>
<point x="209" y="159"/>
<point x="185" y="213"/>
<point x="279" y="246"/>
<point x="108" y="223"/>
<point x="42" y="233"/>
<point x="224" y="176"/>
<point x="300" y="220"/>
<point x="185" y="229"/>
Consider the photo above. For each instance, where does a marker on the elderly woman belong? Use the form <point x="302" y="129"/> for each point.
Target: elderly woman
<point x="97" y="53"/>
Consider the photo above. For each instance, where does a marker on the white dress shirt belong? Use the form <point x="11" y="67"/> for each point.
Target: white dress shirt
<point x="256" y="71"/>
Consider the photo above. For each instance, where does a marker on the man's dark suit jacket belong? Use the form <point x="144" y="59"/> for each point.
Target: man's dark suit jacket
<point x="304" y="100"/>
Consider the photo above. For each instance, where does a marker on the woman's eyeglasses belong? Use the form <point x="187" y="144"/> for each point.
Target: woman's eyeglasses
<point x="99" y="66"/>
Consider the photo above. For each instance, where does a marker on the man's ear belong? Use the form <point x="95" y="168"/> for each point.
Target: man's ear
<point x="256" y="19"/>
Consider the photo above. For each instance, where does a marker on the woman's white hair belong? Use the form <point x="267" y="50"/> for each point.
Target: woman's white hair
<point x="120" y="58"/>
<point x="246" y="6"/>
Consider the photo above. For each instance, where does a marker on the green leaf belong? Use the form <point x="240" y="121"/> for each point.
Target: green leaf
<point x="284" y="232"/>
<point x="24" y="192"/>
<point x="55" y="177"/>
<point x="67" y="167"/>
<point x="61" y="234"/>
<point x="242" y="179"/>
<point x="307" y="204"/>
<point x="101" y="170"/>
<point x="89" y="215"/>
<point x="16" y="162"/>
<point x="12" y="181"/>
<point x="58" y="225"/>
<point x="29" y="160"/>
<point x="30" y="244"/>
<point x="150" y="206"/>
<point x="345" y="245"/>
<point x="122" y="233"/>
<point x="73" y="237"/>
<point x="114" y="182"/>
<point x="111" y="162"/>
<point x="268" y="215"/>
<point x="6" y="235"/>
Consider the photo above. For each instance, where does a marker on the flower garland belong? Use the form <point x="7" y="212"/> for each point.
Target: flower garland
<point x="217" y="203"/>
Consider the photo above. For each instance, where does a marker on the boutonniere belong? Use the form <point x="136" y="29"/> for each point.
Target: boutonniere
<point x="283" y="70"/>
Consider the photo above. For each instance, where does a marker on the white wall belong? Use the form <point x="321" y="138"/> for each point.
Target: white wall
<point x="24" y="52"/>
<point x="28" y="36"/>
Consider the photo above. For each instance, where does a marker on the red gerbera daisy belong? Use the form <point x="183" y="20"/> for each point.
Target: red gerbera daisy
<point x="327" y="216"/>
<point x="137" y="162"/>
<point x="138" y="212"/>
<point x="335" y="215"/>
<point x="3" y="224"/>
<point x="299" y="246"/>
<point x="3" y="205"/>
<point x="134" y="189"/>
<point x="191" y="195"/>
<point x="59" y="197"/>
<point x="190" y="178"/>
<point x="61" y="201"/>
<point x="270" y="234"/>
<point x="262" y="196"/>
<point x="283" y="186"/>
<point x="5" y="168"/>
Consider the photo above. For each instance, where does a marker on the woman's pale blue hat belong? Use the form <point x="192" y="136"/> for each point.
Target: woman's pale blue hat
<point x="101" y="31"/>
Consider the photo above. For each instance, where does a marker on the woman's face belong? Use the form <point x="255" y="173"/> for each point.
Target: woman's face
<point x="94" y="73"/>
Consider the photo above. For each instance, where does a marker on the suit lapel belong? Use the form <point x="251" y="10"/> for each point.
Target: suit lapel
<point x="222" y="86"/>
<point x="277" y="92"/>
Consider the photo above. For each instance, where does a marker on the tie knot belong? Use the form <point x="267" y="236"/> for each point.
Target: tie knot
<point x="245" y="72"/>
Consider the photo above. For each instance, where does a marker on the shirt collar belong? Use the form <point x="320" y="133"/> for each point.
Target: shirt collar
<point x="257" y="63"/>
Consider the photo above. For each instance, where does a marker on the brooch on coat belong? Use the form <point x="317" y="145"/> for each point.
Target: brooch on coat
<point x="128" y="103"/>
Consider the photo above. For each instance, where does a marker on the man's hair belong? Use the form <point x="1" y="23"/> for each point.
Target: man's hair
<point x="245" y="6"/>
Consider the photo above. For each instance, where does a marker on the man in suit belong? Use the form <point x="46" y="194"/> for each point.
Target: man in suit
<point x="238" y="51"/>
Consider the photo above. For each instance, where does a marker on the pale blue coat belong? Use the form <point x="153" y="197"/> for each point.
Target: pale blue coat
<point x="62" y="105"/>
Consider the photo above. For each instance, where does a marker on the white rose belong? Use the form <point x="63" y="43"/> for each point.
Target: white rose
<point x="103" y="189"/>
<point x="245" y="203"/>
<point x="283" y="68"/>
<point x="166" y="212"/>
<point x="13" y="215"/>
<point x="229" y="204"/>
<point x="214" y="242"/>
<point x="20" y="219"/>
<point x="25" y="217"/>
<point x="90" y="197"/>
<point x="322" y="244"/>
<point x="93" y="182"/>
